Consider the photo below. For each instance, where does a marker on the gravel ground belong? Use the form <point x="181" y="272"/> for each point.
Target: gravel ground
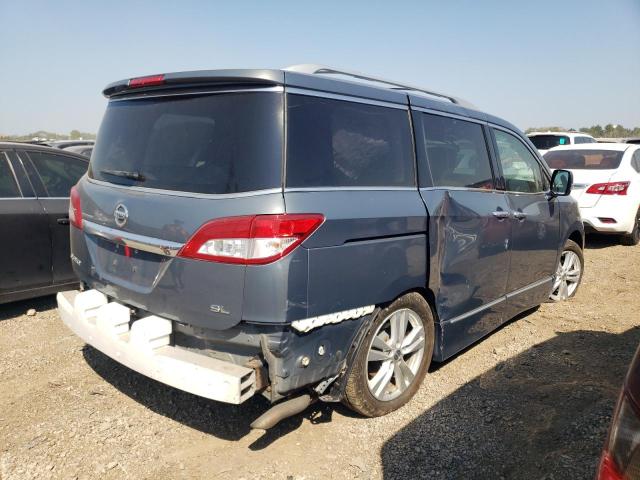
<point x="531" y="401"/>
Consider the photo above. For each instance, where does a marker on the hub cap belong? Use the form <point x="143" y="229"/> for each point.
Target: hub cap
<point x="567" y="276"/>
<point x="395" y="354"/>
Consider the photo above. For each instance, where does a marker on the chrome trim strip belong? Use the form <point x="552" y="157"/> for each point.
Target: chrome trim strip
<point x="476" y="310"/>
<point x="529" y="287"/>
<point x="177" y="193"/>
<point x="357" y="189"/>
<point x="499" y="300"/>
<point x="462" y="189"/>
<point x="278" y="89"/>
<point x="140" y="242"/>
<point x="347" y="98"/>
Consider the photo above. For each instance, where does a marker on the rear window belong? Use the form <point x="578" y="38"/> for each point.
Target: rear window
<point x="221" y="143"/>
<point x="545" y="142"/>
<point x="335" y="143"/>
<point x="584" y="159"/>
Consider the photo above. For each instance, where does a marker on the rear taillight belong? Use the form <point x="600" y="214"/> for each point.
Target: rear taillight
<point x="251" y="239"/>
<point x="613" y="188"/>
<point x="621" y="456"/>
<point x="75" y="210"/>
<point x="146" y="81"/>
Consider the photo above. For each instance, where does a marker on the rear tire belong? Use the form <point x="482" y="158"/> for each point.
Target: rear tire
<point x="393" y="358"/>
<point x="633" y="238"/>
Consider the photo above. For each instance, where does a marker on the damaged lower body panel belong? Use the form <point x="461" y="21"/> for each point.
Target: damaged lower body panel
<point x="231" y="365"/>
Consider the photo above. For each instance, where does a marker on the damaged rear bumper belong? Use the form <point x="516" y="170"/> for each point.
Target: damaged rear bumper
<point x="144" y="346"/>
<point x="227" y="365"/>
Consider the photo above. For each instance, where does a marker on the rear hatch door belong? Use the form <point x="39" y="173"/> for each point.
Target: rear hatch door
<point x="161" y="168"/>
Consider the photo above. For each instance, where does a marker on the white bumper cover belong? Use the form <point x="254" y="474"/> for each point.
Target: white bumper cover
<point x="144" y="347"/>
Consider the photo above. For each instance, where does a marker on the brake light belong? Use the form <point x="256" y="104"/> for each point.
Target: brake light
<point x="146" y="81"/>
<point x="251" y="239"/>
<point x="75" y="209"/>
<point x="621" y="456"/>
<point x="613" y="188"/>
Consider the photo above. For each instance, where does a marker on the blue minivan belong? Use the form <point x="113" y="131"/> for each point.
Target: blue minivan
<point x="308" y="233"/>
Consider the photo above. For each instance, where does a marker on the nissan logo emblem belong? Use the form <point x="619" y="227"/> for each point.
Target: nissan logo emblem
<point x="120" y="214"/>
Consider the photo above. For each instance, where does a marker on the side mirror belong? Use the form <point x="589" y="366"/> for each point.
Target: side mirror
<point x="561" y="183"/>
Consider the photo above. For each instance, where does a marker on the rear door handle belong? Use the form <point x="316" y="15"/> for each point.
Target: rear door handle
<point x="519" y="215"/>
<point x="500" y="214"/>
<point x="63" y="221"/>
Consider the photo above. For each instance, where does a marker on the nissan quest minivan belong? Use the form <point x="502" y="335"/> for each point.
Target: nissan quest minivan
<point x="308" y="233"/>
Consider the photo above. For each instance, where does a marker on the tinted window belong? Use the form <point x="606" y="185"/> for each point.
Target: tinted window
<point x="333" y="143"/>
<point x="456" y="152"/>
<point x="545" y="142"/>
<point x="584" y="159"/>
<point x="520" y="169"/>
<point x="223" y="143"/>
<point x="58" y="172"/>
<point x="8" y="186"/>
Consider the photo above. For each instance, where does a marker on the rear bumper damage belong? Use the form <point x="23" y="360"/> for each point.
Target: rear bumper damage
<point x="144" y="346"/>
<point x="225" y="365"/>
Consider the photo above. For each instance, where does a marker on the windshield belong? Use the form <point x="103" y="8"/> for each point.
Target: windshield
<point x="545" y="142"/>
<point x="220" y="143"/>
<point x="584" y="159"/>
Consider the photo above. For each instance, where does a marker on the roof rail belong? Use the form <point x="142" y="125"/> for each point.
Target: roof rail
<point x="313" y="69"/>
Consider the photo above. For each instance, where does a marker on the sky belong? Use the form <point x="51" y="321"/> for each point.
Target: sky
<point x="567" y="63"/>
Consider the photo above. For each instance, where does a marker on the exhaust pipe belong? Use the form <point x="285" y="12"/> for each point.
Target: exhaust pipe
<point x="281" y="411"/>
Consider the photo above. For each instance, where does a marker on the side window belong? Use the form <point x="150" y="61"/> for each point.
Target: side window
<point x="520" y="169"/>
<point x="335" y="143"/>
<point x="8" y="185"/>
<point x="635" y="161"/>
<point x="456" y="152"/>
<point x="58" y="172"/>
<point x="577" y="140"/>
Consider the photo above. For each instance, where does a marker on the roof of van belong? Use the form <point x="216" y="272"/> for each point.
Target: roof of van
<point x="324" y="80"/>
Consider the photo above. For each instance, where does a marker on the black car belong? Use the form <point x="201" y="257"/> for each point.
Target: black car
<point x="34" y="220"/>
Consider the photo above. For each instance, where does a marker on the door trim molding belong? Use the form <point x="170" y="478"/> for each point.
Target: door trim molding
<point x="499" y="300"/>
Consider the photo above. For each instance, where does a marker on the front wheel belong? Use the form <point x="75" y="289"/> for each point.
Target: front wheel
<point x="569" y="272"/>
<point x="393" y="358"/>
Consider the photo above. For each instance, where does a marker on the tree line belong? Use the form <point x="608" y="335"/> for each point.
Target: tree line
<point x="44" y="135"/>
<point x="597" y="131"/>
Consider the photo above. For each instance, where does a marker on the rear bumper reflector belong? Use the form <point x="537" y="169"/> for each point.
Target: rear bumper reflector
<point x="144" y="346"/>
<point x="314" y="322"/>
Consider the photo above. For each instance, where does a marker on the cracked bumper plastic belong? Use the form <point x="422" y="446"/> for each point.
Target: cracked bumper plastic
<point x="144" y="346"/>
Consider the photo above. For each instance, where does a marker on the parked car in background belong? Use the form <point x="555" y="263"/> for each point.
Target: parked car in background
<point x="34" y="221"/>
<point x="633" y="140"/>
<point x="227" y="249"/>
<point x="84" y="150"/>
<point x="606" y="185"/>
<point x="546" y="140"/>
<point x="621" y="453"/>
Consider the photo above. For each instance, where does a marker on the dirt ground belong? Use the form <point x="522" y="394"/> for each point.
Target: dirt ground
<point x="531" y="401"/>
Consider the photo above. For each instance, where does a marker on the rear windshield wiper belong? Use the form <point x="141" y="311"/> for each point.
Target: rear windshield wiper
<point x="123" y="173"/>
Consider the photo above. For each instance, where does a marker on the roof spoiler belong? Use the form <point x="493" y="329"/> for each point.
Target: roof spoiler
<point x="246" y="77"/>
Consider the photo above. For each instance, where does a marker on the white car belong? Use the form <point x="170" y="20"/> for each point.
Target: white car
<point x="543" y="141"/>
<point x="606" y="185"/>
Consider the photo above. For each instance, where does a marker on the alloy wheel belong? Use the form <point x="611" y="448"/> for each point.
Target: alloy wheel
<point x="567" y="277"/>
<point x="395" y="354"/>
